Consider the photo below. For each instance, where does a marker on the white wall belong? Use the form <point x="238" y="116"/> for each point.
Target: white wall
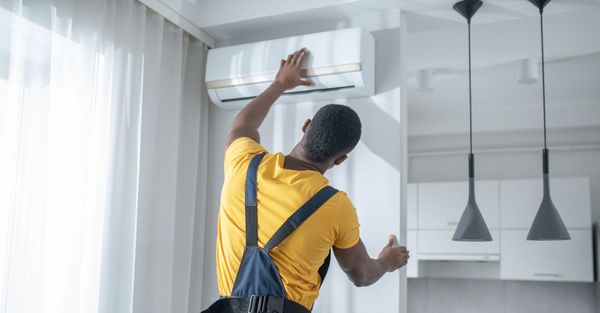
<point x="372" y="176"/>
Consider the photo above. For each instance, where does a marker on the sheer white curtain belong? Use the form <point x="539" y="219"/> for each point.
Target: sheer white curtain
<point x="102" y="159"/>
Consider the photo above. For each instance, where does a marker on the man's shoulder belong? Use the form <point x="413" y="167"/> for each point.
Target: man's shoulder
<point x="241" y="150"/>
<point x="343" y="198"/>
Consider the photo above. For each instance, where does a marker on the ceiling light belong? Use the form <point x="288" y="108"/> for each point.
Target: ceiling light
<point x="547" y="224"/>
<point x="471" y="226"/>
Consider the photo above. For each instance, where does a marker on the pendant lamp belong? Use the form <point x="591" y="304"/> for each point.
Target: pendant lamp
<point x="471" y="226"/>
<point x="547" y="224"/>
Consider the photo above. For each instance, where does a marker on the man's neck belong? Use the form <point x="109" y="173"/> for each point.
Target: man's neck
<point x="298" y="160"/>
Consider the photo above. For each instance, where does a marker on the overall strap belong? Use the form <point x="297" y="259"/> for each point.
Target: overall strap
<point x="301" y="215"/>
<point x="250" y="202"/>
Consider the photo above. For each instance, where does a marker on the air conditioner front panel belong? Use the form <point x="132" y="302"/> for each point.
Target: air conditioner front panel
<point x="263" y="58"/>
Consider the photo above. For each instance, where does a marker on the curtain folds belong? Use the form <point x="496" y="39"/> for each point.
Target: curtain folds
<point x="103" y="128"/>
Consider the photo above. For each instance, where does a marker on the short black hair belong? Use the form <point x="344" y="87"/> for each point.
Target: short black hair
<point x="334" y="129"/>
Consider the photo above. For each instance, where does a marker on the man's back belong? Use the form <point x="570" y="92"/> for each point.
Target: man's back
<point x="281" y="192"/>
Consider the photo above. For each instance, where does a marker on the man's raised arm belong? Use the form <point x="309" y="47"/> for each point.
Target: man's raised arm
<point x="247" y="122"/>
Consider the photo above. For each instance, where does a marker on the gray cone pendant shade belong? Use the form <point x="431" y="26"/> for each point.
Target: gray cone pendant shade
<point x="547" y="224"/>
<point x="471" y="226"/>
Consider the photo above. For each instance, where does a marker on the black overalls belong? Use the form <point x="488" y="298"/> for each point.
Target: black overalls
<point x="258" y="287"/>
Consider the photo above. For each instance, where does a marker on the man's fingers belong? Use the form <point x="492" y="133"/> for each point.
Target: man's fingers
<point x="390" y="242"/>
<point x="289" y="58"/>
<point x="298" y="60"/>
<point x="301" y="57"/>
<point x="307" y="82"/>
<point x="296" y="55"/>
<point x="292" y="60"/>
<point x="393" y="241"/>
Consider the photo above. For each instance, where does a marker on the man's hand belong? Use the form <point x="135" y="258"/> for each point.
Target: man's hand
<point x="393" y="256"/>
<point x="288" y="76"/>
<point x="247" y="122"/>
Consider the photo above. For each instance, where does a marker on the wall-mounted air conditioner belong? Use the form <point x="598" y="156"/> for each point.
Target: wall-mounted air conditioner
<point x="341" y="63"/>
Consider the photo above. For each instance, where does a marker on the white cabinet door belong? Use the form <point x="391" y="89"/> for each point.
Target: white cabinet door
<point x="412" y="268"/>
<point x="520" y="200"/>
<point x="442" y="204"/>
<point x="411" y="203"/>
<point x="568" y="260"/>
<point x="433" y="243"/>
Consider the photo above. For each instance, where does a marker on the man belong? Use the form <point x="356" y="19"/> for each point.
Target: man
<point x="281" y="184"/>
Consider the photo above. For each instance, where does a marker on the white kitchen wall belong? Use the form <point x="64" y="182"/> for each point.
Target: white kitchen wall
<point x="372" y="176"/>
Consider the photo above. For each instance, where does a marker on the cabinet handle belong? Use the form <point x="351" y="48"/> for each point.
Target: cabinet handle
<point x="452" y="223"/>
<point x="547" y="275"/>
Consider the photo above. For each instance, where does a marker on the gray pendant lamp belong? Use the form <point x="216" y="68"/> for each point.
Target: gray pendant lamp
<point x="471" y="226"/>
<point x="547" y="224"/>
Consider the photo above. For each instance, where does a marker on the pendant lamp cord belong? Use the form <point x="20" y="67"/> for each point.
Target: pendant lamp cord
<point x="543" y="75"/>
<point x="470" y="96"/>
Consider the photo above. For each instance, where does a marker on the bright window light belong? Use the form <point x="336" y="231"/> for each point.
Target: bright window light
<point x="53" y="158"/>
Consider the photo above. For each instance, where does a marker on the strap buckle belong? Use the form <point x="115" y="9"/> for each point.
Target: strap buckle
<point x="265" y="304"/>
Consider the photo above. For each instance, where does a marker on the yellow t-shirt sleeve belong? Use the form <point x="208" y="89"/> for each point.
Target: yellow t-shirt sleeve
<point x="348" y="227"/>
<point x="239" y="149"/>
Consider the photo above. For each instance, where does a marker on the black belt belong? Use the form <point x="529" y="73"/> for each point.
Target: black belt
<point x="256" y="304"/>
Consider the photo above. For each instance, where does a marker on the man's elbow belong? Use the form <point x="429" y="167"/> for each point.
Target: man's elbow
<point x="360" y="280"/>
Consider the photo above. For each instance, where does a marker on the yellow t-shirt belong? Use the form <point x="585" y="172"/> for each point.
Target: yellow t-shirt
<point x="280" y="193"/>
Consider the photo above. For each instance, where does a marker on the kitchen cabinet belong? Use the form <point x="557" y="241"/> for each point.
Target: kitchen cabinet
<point x="412" y="267"/>
<point x="509" y="207"/>
<point x="567" y="260"/>
<point x="520" y="200"/>
<point x="438" y="245"/>
<point x="440" y="205"/>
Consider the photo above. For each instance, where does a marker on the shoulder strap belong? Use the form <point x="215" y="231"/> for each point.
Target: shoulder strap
<point x="250" y="201"/>
<point x="301" y="215"/>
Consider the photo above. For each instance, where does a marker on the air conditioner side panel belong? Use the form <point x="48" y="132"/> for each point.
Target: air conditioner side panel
<point x="367" y="60"/>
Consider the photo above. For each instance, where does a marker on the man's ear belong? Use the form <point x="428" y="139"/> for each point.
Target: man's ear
<point x="340" y="160"/>
<point x="305" y="125"/>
